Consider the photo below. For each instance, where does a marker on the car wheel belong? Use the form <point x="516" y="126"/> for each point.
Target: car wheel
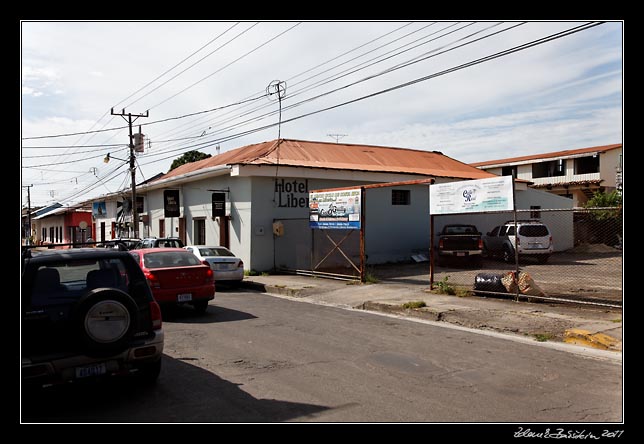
<point x="508" y="255"/>
<point x="200" y="306"/>
<point x="105" y="320"/>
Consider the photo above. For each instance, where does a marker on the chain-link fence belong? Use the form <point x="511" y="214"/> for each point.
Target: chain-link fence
<point x="570" y="254"/>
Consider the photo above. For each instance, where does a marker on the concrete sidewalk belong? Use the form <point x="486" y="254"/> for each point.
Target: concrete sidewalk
<point x="597" y="327"/>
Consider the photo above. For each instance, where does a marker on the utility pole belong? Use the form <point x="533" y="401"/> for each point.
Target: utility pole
<point x="135" y="215"/>
<point x="28" y="212"/>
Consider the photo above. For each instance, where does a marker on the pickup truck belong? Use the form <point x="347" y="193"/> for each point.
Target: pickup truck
<point x="459" y="241"/>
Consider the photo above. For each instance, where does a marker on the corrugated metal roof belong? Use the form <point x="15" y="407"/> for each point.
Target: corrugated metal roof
<point x="510" y="160"/>
<point x="341" y="156"/>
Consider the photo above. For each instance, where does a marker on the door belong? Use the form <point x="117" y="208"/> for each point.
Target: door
<point x="161" y="227"/>
<point x="224" y="231"/>
<point x="103" y="232"/>
<point x="199" y="233"/>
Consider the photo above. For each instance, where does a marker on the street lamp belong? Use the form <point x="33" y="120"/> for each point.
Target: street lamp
<point x="107" y="158"/>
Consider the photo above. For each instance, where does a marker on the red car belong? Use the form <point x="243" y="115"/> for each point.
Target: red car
<point x="176" y="276"/>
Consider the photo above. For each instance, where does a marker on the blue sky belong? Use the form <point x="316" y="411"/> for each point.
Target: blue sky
<point x="563" y="94"/>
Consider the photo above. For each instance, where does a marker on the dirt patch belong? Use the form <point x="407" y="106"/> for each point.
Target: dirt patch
<point x="593" y="248"/>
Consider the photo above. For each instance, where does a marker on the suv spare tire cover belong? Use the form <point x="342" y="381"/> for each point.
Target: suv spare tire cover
<point x="105" y="319"/>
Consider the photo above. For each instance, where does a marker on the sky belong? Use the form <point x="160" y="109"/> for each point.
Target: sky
<point x="212" y="86"/>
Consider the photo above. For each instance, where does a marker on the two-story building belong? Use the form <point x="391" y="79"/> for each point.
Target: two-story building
<point x="576" y="174"/>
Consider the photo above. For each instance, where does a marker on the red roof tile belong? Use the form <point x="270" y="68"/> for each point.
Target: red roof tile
<point x="342" y="156"/>
<point x="593" y="149"/>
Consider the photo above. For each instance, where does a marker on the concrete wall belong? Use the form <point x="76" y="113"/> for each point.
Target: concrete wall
<point x="394" y="232"/>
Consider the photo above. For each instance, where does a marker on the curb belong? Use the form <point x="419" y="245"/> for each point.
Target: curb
<point x="424" y="312"/>
<point x="596" y="340"/>
<point x="275" y="289"/>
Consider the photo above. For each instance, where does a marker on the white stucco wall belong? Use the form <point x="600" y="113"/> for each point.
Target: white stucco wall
<point x="394" y="232"/>
<point x="608" y="163"/>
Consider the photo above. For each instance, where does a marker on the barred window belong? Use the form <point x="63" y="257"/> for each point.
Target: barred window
<point x="400" y="197"/>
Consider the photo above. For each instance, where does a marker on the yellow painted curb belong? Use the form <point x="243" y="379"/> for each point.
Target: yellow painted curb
<point x="584" y="337"/>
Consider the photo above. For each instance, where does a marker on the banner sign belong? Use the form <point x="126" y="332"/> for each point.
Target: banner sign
<point x="335" y="209"/>
<point x="471" y="196"/>
<point x="171" y="203"/>
<point x="99" y="209"/>
<point x="218" y="204"/>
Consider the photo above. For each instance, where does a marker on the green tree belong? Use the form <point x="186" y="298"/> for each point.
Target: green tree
<point x="606" y="224"/>
<point x="603" y="199"/>
<point x="189" y="157"/>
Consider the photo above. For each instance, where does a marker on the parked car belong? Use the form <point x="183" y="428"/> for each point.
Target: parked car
<point x="534" y="240"/>
<point x="122" y="243"/>
<point x="223" y="262"/>
<point x="459" y="241"/>
<point x="176" y="276"/>
<point x="161" y="242"/>
<point x="87" y="313"/>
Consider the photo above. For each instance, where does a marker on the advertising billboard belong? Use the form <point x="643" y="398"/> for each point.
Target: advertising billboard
<point x="472" y="196"/>
<point x="335" y="209"/>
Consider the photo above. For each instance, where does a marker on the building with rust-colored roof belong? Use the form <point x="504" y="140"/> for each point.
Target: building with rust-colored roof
<point x="576" y="174"/>
<point x="255" y="200"/>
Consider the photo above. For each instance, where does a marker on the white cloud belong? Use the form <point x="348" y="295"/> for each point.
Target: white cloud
<point x="27" y="91"/>
<point x="558" y="95"/>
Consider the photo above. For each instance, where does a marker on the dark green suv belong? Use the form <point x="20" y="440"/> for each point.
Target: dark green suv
<point x="87" y="313"/>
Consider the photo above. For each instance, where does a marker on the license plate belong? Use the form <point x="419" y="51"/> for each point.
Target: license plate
<point x="91" y="370"/>
<point x="224" y="266"/>
<point x="184" y="297"/>
<point x="460" y="254"/>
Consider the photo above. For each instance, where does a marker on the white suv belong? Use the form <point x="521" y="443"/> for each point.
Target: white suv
<point x="534" y="240"/>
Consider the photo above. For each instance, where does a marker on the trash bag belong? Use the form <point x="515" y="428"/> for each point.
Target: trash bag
<point x="489" y="282"/>
<point x="525" y="282"/>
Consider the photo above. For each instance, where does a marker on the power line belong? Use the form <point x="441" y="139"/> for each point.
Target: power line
<point x="225" y="66"/>
<point x="499" y="54"/>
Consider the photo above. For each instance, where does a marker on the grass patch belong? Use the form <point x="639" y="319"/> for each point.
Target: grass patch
<point x="250" y="273"/>
<point x="543" y="337"/>
<point x="265" y="273"/>
<point x="445" y="287"/>
<point x="370" y="278"/>
<point x="414" y="304"/>
<point x="616" y="320"/>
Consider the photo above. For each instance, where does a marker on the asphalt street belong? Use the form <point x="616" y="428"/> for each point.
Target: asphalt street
<point x="258" y="358"/>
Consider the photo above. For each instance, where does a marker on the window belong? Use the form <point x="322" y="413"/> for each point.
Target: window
<point x="549" y="169"/>
<point x="44" y="234"/>
<point x="60" y="230"/>
<point x="509" y="171"/>
<point x="51" y="234"/>
<point x="400" y="197"/>
<point x="587" y="165"/>
<point x="161" y="227"/>
<point x="200" y="231"/>
<point x="534" y="214"/>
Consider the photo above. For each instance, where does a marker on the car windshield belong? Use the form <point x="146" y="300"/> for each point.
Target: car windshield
<point x="215" y="251"/>
<point x="460" y="229"/>
<point x="165" y="259"/>
<point x="533" y="230"/>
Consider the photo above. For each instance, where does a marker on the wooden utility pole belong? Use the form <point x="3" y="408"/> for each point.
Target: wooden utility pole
<point x="135" y="214"/>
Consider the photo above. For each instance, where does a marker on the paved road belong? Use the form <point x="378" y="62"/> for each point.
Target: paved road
<point x="257" y="358"/>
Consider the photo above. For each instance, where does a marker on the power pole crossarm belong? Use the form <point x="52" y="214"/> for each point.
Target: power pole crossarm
<point x="135" y="215"/>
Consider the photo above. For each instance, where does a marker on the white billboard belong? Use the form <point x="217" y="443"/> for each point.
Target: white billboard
<point x="472" y="196"/>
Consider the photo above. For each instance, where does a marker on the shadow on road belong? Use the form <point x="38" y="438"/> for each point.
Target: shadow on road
<point x="183" y="393"/>
<point x="187" y="315"/>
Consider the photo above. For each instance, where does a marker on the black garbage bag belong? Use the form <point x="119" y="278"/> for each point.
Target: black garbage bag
<point x="489" y="282"/>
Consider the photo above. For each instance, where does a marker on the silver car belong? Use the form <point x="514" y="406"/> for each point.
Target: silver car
<point x="225" y="265"/>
